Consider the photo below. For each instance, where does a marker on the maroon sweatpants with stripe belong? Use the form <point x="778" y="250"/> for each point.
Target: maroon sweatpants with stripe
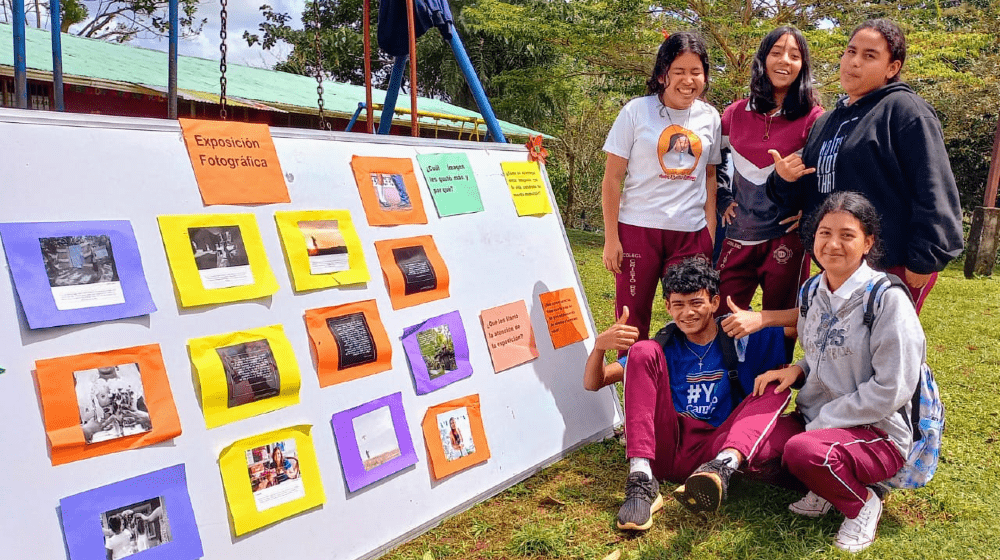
<point x="676" y="445"/>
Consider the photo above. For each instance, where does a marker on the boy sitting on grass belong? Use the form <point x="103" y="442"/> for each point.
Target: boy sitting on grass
<point x="682" y="408"/>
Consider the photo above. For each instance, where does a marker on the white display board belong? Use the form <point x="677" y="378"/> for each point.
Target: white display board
<point x="58" y="167"/>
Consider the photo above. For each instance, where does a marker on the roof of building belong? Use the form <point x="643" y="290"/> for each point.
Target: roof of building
<point x="198" y="78"/>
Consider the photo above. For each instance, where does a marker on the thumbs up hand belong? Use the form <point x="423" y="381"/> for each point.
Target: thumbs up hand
<point x="619" y="336"/>
<point x="741" y="322"/>
<point x="790" y="167"/>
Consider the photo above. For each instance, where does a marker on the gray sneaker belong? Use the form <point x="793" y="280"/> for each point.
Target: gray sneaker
<point x="642" y="500"/>
<point x="706" y="489"/>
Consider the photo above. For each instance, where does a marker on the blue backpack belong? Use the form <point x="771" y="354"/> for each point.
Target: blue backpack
<point x="926" y="411"/>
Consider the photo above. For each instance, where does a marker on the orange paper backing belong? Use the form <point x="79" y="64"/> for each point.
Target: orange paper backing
<point x="363" y="168"/>
<point x="562" y="315"/>
<point x="394" y="276"/>
<point x="221" y="184"/>
<point x="62" y="414"/>
<point x="440" y="465"/>
<point x="324" y="345"/>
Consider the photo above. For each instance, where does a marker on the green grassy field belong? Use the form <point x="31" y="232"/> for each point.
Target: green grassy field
<point x="568" y="510"/>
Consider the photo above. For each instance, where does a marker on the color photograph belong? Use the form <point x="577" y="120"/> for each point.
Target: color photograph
<point x="274" y="473"/>
<point x="438" y="350"/>
<point x="456" y="433"/>
<point x="376" y="438"/>
<point x="325" y="246"/>
<point x="135" y="528"/>
<point x="391" y="191"/>
<point x="112" y="402"/>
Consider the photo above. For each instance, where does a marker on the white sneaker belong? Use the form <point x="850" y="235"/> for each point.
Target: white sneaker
<point x="811" y="506"/>
<point x="858" y="534"/>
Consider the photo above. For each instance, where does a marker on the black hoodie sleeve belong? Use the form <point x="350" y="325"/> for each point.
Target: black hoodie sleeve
<point x="724" y="183"/>
<point x="936" y="220"/>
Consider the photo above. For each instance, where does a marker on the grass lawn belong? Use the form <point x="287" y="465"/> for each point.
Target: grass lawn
<point x="568" y="510"/>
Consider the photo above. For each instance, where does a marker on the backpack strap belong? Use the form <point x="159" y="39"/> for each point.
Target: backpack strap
<point x="666" y="334"/>
<point x="806" y="293"/>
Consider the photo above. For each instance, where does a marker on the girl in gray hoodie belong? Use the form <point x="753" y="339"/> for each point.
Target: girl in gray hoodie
<point x="857" y="382"/>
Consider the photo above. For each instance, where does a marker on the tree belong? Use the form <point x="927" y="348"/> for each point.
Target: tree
<point x="118" y="21"/>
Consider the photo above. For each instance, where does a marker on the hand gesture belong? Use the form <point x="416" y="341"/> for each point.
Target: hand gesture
<point x="790" y="167"/>
<point x="618" y="336"/>
<point x="730" y="214"/>
<point x="613" y="255"/>
<point x="784" y="376"/>
<point x="741" y="322"/>
<point x="794" y="220"/>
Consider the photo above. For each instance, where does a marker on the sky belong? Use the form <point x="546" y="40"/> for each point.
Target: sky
<point x="243" y="15"/>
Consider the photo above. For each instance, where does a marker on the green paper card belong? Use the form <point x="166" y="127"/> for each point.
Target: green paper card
<point x="452" y="184"/>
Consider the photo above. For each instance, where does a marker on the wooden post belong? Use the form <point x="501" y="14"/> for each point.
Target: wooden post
<point x="984" y="236"/>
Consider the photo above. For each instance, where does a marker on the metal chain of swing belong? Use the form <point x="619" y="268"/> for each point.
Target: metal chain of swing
<point x="323" y="124"/>
<point x="222" y="63"/>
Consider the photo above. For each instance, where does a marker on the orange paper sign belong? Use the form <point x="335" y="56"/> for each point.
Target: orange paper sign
<point x="413" y="270"/>
<point x="562" y="314"/>
<point x="100" y="403"/>
<point x="389" y="191"/>
<point x="455" y="437"/>
<point x="234" y="163"/>
<point x="348" y="342"/>
<point x="509" y="335"/>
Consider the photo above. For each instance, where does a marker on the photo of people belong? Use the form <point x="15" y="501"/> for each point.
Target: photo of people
<point x="376" y="437"/>
<point x="418" y="273"/>
<point x="456" y="434"/>
<point x="274" y="473"/>
<point x="438" y="350"/>
<point x="251" y="372"/>
<point x="325" y="245"/>
<point x="112" y="402"/>
<point x="355" y="344"/>
<point x="221" y="256"/>
<point x="135" y="528"/>
<point x="679" y="155"/>
<point x="391" y="191"/>
<point x="81" y="271"/>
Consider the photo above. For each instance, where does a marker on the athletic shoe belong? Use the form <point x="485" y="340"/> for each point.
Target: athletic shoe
<point x="705" y="490"/>
<point x="811" y="506"/>
<point x="642" y="500"/>
<point x="858" y="534"/>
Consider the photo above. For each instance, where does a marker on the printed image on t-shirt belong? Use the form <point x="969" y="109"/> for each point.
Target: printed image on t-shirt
<point x="702" y="393"/>
<point x="678" y="151"/>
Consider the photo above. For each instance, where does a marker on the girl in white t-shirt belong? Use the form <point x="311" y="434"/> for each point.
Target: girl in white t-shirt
<point x="658" y="193"/>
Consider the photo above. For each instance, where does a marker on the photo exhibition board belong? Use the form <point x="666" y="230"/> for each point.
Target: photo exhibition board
<point x="111" y="168"/>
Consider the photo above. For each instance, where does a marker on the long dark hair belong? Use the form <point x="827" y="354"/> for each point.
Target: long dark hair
<point x="672" y="47"/>
<point x="852" y="203"/>
<point x="801" y="96"/>
<point x="894" y="37"/>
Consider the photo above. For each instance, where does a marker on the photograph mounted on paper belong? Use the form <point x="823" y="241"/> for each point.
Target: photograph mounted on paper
<point x="388" y="190"/>
<point x="376" y="438"/>
<point x="135" y="528"/>
<point x="81" y="271"/>
<point x="251" y="372"/>
<point x="220" y="256"/>
<point x="437" y="351"/>
<point x="274" y="473"/>
<point x="373" y="441"/>
<point x="456" y="433"/>
<point x="325" y="246"/>
<point x="112" y="402"/>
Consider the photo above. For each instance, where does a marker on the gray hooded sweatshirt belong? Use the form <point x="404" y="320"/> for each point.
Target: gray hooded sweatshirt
<point x="856" y="376"/>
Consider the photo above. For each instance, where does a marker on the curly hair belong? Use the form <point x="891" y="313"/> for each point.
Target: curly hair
<point x="893" y="36"/>
<point x="801" y="96"/>
<point x="852" y="203"/>
<point x="690" y="276"/>
<point x="671" y="48"/>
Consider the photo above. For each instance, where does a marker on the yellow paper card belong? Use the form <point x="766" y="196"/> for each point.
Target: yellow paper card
<point x="524" y="179"/>
<point x="245" y="373"/>
<point x="322" y="248"/>
<point x="216" y="258"/>
<point x="271" y="476"/>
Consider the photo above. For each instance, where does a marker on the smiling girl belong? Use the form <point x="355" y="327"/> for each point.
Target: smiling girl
<point x="658" y="192"/>
<point x="852" y="410"/>
<point x="761" y="247"/>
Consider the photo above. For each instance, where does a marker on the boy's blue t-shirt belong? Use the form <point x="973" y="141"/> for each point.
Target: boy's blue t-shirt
<point x="704" y="393"/>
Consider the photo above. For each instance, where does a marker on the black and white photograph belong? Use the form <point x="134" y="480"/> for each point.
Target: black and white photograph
<point x="375" y="435"/>
<point x="438" y="350"/>
<point x="456" y="433"/>
<point x="325" y="245"/>
<point x="275" y="477"/>
<point x="112" y="402"/>
<point x="81" y="271"/>
<point x="418" y="273"/>
<point x="391" y="191"/>
<point x="221" y="256"/>
<point x="355" y="344"/>
<point x="135" y="528"/>
<point x="251" y="372"/>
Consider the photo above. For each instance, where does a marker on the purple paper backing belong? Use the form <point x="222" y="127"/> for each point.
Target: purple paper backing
<point x="81" y="515"/>
<point x="24" y="254"/>
<point x="421" y="377"/>
<point x="350" y="457"/>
